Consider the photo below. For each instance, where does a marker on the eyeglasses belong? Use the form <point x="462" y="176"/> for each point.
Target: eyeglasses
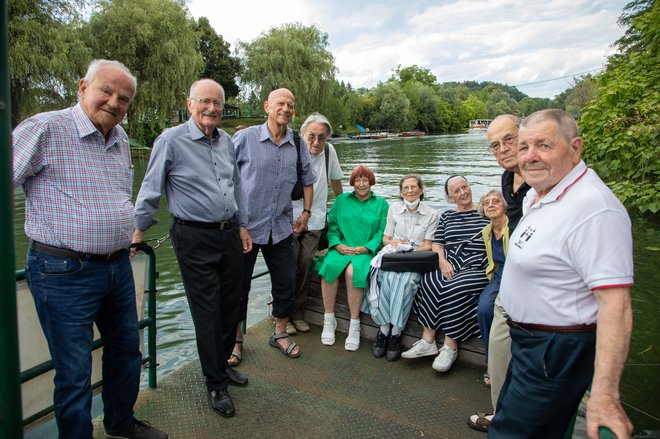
<point x="311" y="138"/>
<point x="409" y="188"/>
<point x="217" y="104"/>
<point x="507" y="141"/>
<point x="493" y="202"/>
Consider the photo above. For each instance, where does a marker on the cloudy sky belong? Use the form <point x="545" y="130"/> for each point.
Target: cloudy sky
<point x="526" y="43"/>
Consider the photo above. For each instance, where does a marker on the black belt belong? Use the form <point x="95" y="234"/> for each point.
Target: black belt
<point x="551" y="328"/>
<point x="71" y="254"/>
<point x="222" y="225"/>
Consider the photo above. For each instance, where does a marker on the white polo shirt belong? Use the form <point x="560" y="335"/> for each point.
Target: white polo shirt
<point x="576" y="239"/>
<point x="320" y="201"/>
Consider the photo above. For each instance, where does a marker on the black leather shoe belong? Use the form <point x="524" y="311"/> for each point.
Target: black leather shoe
<point x="378" y="349"/>
<point x="236" y="378"/>
<point x="221" y="402"/>
<point x="393" y="348"/>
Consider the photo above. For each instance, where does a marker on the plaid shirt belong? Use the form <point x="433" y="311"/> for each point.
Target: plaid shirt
<point x="78" y="187"/>
<point x="268" y="174"/>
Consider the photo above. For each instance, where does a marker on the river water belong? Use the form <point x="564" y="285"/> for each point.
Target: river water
<point x="434" y="158"/>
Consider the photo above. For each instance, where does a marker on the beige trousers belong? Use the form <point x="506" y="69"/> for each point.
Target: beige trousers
<point x="499" y="351"/>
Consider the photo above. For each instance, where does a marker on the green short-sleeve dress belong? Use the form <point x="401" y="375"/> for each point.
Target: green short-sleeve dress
<point x="354" y="223"/>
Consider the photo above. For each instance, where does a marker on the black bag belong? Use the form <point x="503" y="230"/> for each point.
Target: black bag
<point x="297" y="193"/>
<point x="323" y="239"/>
<point x="420" y="262"/>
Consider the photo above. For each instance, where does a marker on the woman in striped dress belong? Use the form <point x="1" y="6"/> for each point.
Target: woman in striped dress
<point x="410" y="222"/>
<point x="448" y="297"/>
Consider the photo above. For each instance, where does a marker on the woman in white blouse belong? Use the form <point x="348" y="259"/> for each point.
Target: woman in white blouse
<point x="412" y="222"/>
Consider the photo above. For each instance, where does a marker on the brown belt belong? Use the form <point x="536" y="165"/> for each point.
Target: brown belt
<point x="551" y="328"/>
<point x="72" y="254"/>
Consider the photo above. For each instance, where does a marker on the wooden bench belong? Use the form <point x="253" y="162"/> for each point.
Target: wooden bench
<point x="471" y="351"/>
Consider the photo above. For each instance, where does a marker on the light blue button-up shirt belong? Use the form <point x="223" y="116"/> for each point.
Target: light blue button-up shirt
<point x="199" y="176"/>
<point x="268" y="174"/>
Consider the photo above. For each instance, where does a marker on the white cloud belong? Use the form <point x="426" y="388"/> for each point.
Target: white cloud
<point x="508" y="41"/>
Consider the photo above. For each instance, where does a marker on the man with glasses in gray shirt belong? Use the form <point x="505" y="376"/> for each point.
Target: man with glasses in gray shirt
<point x="195" y="163"/>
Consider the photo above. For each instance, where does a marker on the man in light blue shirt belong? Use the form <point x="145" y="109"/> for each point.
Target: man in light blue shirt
<point x="266" y="157"/>
<point x="196" y="166"/>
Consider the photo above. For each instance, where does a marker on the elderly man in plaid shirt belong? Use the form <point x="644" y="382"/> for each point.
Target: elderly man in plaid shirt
<point x="75" y="169"/>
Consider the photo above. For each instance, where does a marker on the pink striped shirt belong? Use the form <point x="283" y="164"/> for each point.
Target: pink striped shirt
<point x="77" y="186"/>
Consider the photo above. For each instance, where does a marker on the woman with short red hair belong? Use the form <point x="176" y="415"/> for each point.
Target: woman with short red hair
<point x="356" y="224"/>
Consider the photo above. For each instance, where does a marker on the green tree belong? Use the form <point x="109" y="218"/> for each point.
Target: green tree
<point x="423" y="105"/>
<point x="292" y="56"/>
<point x="393" y="107"/>
<point x="414" y="73"/>
<point x="46" y="56"/>
<point x="156" y="41"/>
<point x="474" y="108"/>
<point x="219" y="65"/>
<point x="621" y="127"/>
<point x="498" y="101"/>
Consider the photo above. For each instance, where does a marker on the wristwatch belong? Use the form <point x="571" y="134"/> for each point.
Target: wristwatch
<point x="308" y="211"/>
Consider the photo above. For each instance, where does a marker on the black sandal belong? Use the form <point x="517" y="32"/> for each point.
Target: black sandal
<point x="236" y="354"/>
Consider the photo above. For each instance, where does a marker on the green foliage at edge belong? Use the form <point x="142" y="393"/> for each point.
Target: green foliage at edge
<point x="621" y="127"/>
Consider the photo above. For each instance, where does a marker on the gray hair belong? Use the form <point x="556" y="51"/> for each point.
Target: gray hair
<point x="568" y="128"/>
<point x="420" y="183"/>
<point x="316" y="118"/>
<point x="98" y="64"/>
<point x="496" y="192"/>
<point x="450" y="178"/>
<point x="193" y="87"/>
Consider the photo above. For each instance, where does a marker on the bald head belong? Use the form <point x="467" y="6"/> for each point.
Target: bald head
<point x="280" y="108"/>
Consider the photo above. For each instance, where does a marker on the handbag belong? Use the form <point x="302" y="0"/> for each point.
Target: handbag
<point x="420" y="261"/>
<point x="298" y="190"/>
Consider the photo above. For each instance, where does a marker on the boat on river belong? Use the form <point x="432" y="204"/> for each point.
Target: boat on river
<point x="412" y="134"/>
<point x="479" y="124"/>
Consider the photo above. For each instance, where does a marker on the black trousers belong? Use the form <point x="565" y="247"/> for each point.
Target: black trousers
<point x="279" y="260"/>
<point x="211" y="262"/>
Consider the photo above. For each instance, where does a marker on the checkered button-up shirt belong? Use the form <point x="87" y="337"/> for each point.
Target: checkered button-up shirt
<point x="78" y="187"/>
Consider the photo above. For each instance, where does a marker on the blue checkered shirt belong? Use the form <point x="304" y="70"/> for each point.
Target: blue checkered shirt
<point x="268" y="174"/>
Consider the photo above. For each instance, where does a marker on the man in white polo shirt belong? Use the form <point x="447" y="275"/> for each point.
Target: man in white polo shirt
<point x="566" y="290"/>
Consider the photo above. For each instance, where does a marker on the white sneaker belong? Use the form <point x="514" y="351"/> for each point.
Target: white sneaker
<point x="445" y="359"/>
<point x="353" y="340"/>
<point x="421" y="349"/>
<point x="328" y="334"/>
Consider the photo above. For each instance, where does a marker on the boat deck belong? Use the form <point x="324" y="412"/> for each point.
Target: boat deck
<point x="326" y="393"/>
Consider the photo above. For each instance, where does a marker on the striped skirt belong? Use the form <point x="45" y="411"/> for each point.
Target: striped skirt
<point x="395" y="297"/>
<point x="451" y="305"/>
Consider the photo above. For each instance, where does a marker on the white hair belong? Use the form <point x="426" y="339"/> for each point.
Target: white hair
<point x="316" y="118"/>
<point x="97" y="64"/>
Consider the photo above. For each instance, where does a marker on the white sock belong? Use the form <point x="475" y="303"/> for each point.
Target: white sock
<point x="328" y="316"/>
<point x="385" y="329"/>
<point x="355" y="325"/>
<point x="396" y="330"/>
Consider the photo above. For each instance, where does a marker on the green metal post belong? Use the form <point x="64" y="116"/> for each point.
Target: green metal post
<point x="10" y="388"/>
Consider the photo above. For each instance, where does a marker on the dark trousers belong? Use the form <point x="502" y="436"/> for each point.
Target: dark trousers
<point x="279" y="260"/>
<point x="486" y="307"/>
<point x="305" y="245"/>
<point x="211" y="262"/>
<point x="547" y="377"/>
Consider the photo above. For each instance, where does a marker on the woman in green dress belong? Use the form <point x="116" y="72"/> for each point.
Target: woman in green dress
<point x="355" y="231"/>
